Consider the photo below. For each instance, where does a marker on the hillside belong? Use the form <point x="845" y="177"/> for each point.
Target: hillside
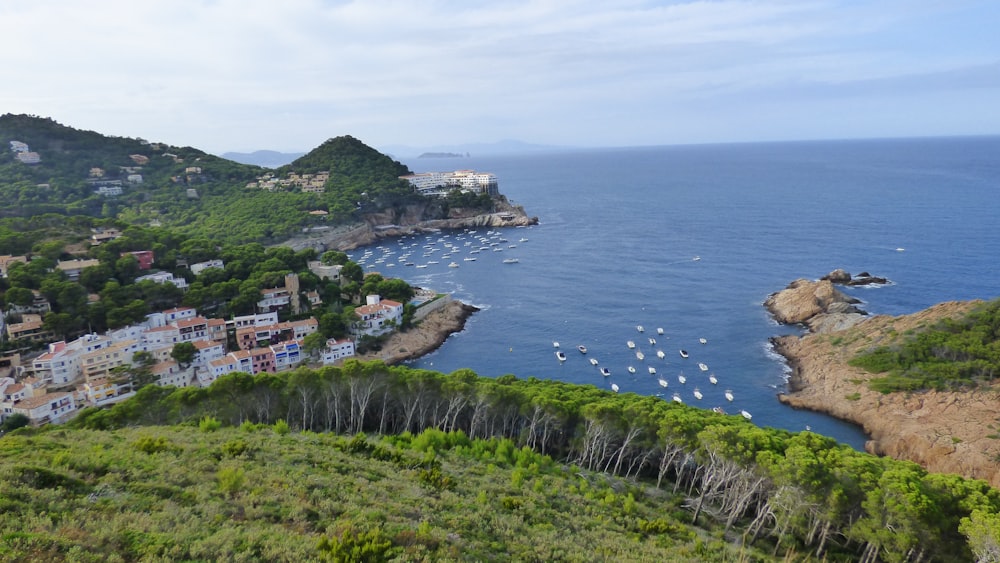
<point x="262" y="493"/>
<point x="49" y="168"/>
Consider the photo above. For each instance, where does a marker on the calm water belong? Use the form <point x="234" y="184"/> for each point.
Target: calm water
<point x="620" y="231"/>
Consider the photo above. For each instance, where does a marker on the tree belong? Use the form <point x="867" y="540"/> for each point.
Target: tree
<point x="352" y="272"/>
<point x="334" y="257"/>
<point x="15" y="421"/>
<point x="313" y="343"/>
<point x="183" y="353"/>
<point x="19" y="296"/>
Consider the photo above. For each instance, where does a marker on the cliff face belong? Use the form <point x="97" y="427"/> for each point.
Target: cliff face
<point x="409" y="220"/>
<point x="945" y="432"/>
<point x="818" y="305"/>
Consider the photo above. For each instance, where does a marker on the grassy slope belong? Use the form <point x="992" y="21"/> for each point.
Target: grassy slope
<point x="178" y="493"/>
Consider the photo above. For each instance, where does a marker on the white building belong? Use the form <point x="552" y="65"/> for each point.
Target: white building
<point x="163" y="277"/>
<point x="337" y="350"/>
<point x="442" y="183"/>
<point x="378" y="316"/>
<point x="202" y="266"/>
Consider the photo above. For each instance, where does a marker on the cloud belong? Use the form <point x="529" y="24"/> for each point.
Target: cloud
<point x="388" y="71"/>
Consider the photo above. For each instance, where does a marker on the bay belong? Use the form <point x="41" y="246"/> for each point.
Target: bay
<point x="692" y="239"/>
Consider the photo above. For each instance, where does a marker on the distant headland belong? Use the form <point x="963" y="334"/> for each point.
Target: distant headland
<point x="443" y="155"/>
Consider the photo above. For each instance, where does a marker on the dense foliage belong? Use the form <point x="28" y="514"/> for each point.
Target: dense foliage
<point x="954" y="353"/>
<point x="182" y="187"/>
<point x="262" y="493"/>
<point x="800" y="493"/>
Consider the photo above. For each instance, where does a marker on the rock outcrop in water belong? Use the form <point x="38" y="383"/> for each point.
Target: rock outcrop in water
<point x="948" y="432"/>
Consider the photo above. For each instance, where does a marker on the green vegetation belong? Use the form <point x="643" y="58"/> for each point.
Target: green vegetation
<point x="953" y="354"/>
<point x="75" y="163"/>
<point x="487" y="469"/>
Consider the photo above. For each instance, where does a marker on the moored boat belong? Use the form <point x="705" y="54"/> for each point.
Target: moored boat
<point x="683" y="353"/>
<point x="652" y="370"/>
<point x="681" y="378"/>
<point x="631" y="369"/>
<point x="605" y="372"/>
<point x="659" y="330"/>
<point x="729" y="394"/>
<point x="663" y="382"/>
<point x="697" y="394"/>
<point x="702" y="366"/>
<point x="703" y="341"/>
<point x="593" y="361"/>
<point x="630" y="344"/>
<point x="660" y="354"/>
<point x="745" y="414"/>
<point x="712" y="379"/>
<point x="640" y="356"/>
<point x="639" y="328"/>
<point x="614" y="387"/>
<point x="582" y="349"/>
<point x="561" y="356"/>
<point x="677" y="398"/>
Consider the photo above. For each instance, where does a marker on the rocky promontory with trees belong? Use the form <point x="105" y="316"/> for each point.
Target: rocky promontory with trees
<point x="945" y="425"/>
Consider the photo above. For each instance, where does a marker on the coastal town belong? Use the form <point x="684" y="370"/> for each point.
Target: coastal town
<point x="47" y="375"/>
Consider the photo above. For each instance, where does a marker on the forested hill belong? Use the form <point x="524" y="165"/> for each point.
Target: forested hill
<point x="49" y="168"/>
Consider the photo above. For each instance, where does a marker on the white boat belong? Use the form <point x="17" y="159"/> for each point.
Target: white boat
<point x="729" y="394"/>
<point x="561" y="356"/>
<point x="640" y="356"/>
<point x="660" y="354"/>
<point x="453" y="265"/>
<point x="652" y="341"/>
<point x="630" y="344"/>
<point x="681" y="378"/>
<point x="469" y="259"/>
<point x="659" y="330"/>
<point x="593" y="361"/>
<point x="614" y="387"/>
<point x="522" y="239"/>
<point x="631" y="369"/>
<point x="421" y="265"/>
<point x="712" y="379"/>
<point x="511" y="261"/>
<point x="697" y="394"/>
<point x="746" y="414"/>
<point x="663" y="382"/>
<point x="683" y="353"/>
<point x="639" y="328"/>
<point x="605" y="372"/>
<point x="703" y="341"/>
<point x="702" y="366"/>
<point x="582" y="349"/>
<point x="555" y="344"/>
<point x="652" y="370"/>
<point x="677" y="398"/>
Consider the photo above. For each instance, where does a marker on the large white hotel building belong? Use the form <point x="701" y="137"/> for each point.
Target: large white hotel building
<point x="441" y="183"/>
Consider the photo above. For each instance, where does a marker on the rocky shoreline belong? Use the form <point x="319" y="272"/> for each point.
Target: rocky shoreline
<point x="407" y="221"/>
<point x="947" y="432"/>
<point x="428" y="335"/>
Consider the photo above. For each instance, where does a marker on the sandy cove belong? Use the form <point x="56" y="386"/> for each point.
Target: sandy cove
<point x="945" y="432"/>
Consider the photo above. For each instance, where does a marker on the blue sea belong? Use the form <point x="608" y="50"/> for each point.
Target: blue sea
<point x="692" y="239"/>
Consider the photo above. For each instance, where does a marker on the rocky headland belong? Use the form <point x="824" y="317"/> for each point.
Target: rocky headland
<point x="947" y="432"/>
<point x="429" y="334"/>
<point x="406" y="221"/>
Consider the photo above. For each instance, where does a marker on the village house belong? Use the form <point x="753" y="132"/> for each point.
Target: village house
<point x="7" y="260"/>
<point x="378" y="316"/>
<point x="337" y="350"/>
<point x="73" y="268"/>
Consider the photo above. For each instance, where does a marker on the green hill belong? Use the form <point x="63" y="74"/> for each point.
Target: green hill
<point x="80" y="174"/>
<point x="459" y="467"/>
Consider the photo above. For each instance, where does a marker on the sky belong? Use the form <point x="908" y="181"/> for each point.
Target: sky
<point x="243" y="75"/>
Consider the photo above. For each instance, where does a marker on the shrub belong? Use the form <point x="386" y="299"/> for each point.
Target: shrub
<point x="209" y="424"/>
<point x="281" y="427"/>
